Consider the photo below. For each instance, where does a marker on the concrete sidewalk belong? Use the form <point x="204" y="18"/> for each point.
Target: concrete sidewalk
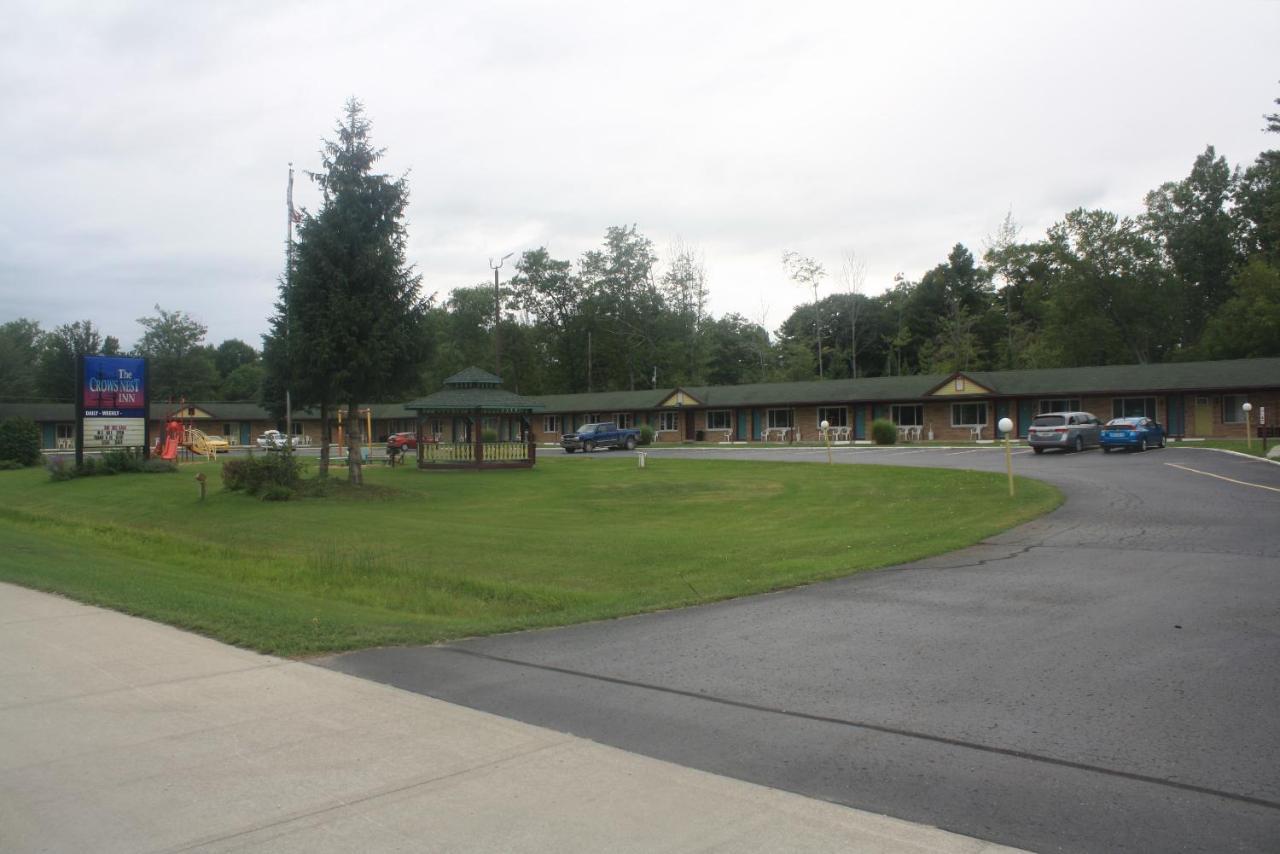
<point x="119" y="734"/>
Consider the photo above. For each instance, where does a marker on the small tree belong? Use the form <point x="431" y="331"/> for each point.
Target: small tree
<point x="808" y="273"/>
<point x="20" y="441"/>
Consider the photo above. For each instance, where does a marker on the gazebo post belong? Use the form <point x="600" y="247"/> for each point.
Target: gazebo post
<point x="533" y="445"/>
<point x="421" y="449"/>
<point x="477" y="436"/>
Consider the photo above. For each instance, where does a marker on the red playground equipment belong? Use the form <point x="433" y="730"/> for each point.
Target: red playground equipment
<point x="167" y="445"/>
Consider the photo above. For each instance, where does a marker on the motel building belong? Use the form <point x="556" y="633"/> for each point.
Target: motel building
<point x="1192" y="399"/>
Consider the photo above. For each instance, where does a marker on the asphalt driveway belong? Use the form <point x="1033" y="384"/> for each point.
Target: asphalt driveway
<point x="1106" y="678"/>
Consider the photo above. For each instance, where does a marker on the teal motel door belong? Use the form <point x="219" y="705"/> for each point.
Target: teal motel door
<point x="245" y="433"/>
<point x="1174" y="426"/>
<point x="1025" y="416"/>
<point x="755" y="424"/>
<point x="859" y="421"/>
<point x="1002" y="411"/>
<point x="743" y="427"/>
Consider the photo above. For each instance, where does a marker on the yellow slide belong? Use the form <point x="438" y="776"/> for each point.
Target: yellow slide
<point x="201" y="443"/>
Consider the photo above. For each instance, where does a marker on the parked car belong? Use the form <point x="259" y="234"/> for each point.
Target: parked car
<point x="403" y="441"/>
<point x="605" y="434"/>
<point x="1067" y="431"/>
<point x="273" y="439"/>
<point x="1135" y="433"/>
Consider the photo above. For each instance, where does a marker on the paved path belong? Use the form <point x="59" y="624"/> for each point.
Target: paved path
<point x="117" y="734"/>
<point x="1106" y="678"/>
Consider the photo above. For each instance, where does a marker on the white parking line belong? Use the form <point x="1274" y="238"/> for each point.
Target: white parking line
<point x="1222" y="477"/>
<point x="958" y="453"/>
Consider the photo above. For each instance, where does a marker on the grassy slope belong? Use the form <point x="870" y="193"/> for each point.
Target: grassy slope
<point x="444" y="555"/>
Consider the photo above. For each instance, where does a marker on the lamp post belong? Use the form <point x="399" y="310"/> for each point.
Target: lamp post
<point x="497" y="315"/>
<point x="826" y="434"/>
<point x="1006" y="427"/>
<point x="1248" y="427"/>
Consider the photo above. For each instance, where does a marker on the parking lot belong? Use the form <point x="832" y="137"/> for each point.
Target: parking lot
<point x="1102" y="679"/>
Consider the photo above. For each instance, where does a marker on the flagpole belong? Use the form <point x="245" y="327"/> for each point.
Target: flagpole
<point x="288" y="276"/>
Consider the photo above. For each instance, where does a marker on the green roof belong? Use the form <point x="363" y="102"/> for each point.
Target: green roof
<point x="482" y="399"/>
<point x="1167" y="376"/>
<point x="1239" y="374"/>
<point x="473" y="376"/>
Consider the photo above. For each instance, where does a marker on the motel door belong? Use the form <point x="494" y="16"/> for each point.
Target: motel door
<point x="245" y="434"/>
<point x="1204" y="417"/>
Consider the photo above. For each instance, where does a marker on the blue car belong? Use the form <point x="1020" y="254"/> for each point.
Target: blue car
<point x="1134" y="433"/>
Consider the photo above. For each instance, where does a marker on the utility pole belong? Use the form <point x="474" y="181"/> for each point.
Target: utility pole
<point x="497" y="316"/>
<point x="293" y="217"/>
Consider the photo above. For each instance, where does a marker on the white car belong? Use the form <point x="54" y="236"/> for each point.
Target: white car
<point x="273" y="439"/>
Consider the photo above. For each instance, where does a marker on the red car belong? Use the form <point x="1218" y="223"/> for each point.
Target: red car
<point x="402" y="441"/>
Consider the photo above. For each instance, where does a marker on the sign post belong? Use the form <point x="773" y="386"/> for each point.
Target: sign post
<point x="1006" y="427"/>
<point x="112" y="406"/>
<point x="1248" y="425"/>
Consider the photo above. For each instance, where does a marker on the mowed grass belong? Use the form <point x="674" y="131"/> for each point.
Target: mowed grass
<point x="423" y="557"/>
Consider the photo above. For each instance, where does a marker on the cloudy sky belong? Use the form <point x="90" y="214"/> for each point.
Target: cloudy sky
<point x="146" y="144"/>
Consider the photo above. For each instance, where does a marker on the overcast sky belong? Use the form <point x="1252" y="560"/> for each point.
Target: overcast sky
<point x="146" y="144"/>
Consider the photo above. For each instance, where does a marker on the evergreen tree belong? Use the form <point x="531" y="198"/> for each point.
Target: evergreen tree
<point x="351" y="313"/>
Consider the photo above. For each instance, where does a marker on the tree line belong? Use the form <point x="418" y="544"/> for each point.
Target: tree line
<point x="1195" y="275"/>
<point x="38" y="364"/>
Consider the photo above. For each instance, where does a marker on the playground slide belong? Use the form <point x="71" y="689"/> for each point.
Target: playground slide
<point x="167" y="445"/>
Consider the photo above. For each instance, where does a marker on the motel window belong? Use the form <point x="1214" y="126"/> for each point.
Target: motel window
<point x="551" y="424"/>
<point x="907" y="414"/>
<point x="968" y="414"/>
<point x="668" y="421"/>
<point x="1059" y="404"/>
<point x="1134" y="407"/>
<point x="781" y="418"/>
<point x="625" y="420"/>
<point x="592" y="418"/>
<point x="66" y="431"/>
<point x="297" y="428"/>
<point x="1233" y="408"/>
<point x="719" y="419"/>
<point x="226" y="430"/>
<point x="836" y="416"/>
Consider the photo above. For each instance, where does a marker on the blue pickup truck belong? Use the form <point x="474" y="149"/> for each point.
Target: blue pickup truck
<point x="606" y="434"/>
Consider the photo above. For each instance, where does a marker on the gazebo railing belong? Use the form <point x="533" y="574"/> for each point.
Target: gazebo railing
<point x="454" y="453"/>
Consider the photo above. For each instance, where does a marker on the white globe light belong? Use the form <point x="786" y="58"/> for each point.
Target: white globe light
<point x="1005" y="425"/>
<point x="1248" y="407"/>
<point x="824" y="425"/>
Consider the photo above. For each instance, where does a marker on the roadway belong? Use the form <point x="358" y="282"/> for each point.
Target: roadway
<point x="1105" y="678"/>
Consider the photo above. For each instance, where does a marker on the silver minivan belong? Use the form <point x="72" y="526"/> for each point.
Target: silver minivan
<point x="1069" y="431"/>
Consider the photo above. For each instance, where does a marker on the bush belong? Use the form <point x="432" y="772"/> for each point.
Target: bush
<point x="646" y="434"/>
<point x="10" y="465"/>
<point x="489" y="435"/>
<point x="121" y="462"/>
<point x="60" y="468"/>
<point x="884" y="432"/>
<point x="261" y="473"/>
<point x="20" y="441"/>
<point x="275" y="492"/>
<point x="127" y="461"/>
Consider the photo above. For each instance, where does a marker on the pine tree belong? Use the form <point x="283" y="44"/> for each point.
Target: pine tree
<point x="350" y="310"/>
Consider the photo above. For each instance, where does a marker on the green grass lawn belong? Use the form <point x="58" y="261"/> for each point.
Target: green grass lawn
<point x="1254" y="448"/>
<point x="424" y="557"/>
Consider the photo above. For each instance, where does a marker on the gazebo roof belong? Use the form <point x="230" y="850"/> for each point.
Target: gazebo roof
<point x="474" y="390"/>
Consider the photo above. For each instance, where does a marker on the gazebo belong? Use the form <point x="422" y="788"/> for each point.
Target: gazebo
<point x="453" y="422"/>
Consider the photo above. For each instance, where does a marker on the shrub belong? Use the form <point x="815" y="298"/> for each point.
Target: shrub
<point x="884" y="432"/>
<point x="60" y="468"/>
<point x="646" y="434"/>
<point x="489" y="435"/>
<point x="159" y="466"/>
<point x="120" y="462"/>
<point x="260" y="473"/>
<point x="275" y="492"/>
<point x="10" y="465"/>
<point x="20" y="441"/>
